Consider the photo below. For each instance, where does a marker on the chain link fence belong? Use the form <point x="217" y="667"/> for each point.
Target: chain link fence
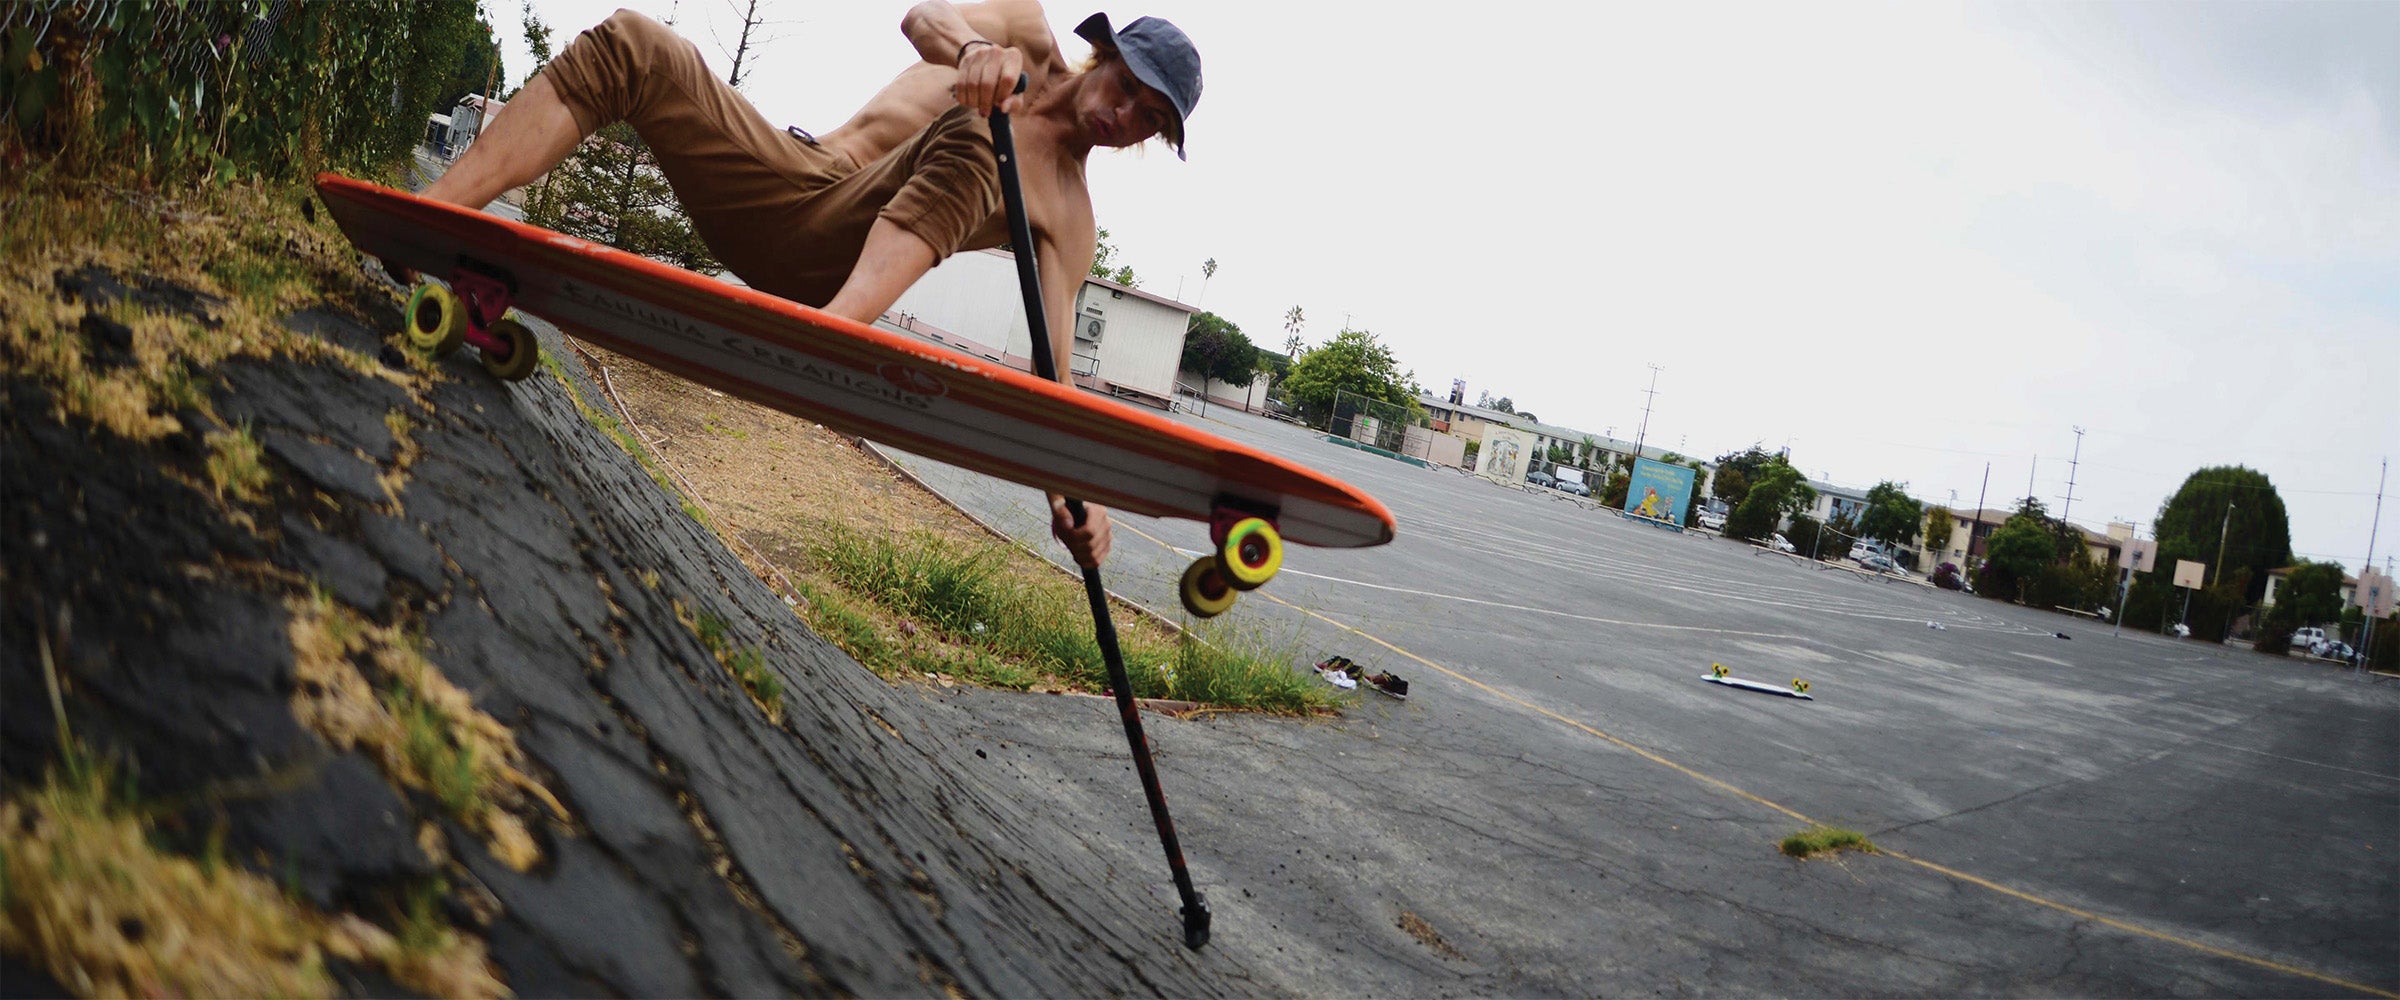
<point x="1374" y="422"/>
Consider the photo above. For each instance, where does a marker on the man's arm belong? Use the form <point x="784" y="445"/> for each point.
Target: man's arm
<point x="1063" y="254"/>
<point x="946" y="34"/>
<point x="892" y="260"/>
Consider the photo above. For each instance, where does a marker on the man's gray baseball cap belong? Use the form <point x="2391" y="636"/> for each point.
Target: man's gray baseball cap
<point x="1160" y="55"/>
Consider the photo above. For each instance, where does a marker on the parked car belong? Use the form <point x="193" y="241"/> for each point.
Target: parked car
<point x="1571" y="486"/>
<point x="2332" y="649"/>
<point x="1712" y="520"/>
<point x="1874" y="561"/>
<point x="1541" y="479"/>
<point x="2309" y="638"/>
<point x="1780" y="543"/>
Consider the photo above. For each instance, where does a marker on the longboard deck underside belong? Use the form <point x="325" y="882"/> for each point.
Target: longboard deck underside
<point x="857" y="379"/>
<point x="1756" y="686"/>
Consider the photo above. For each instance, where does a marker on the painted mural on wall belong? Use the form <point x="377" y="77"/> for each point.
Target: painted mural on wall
<point x="1503" y="454"/>
<point x="1659" y="491"/>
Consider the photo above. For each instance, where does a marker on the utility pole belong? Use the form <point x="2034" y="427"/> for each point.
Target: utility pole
<point x="2035" y="464"/>
<point x="2072" y="463"/>
<point x="2366" y="632"/>
<point x="1652" y="393"/>
<point x="2218" y="570"/>
<point x="1980" y="496"/>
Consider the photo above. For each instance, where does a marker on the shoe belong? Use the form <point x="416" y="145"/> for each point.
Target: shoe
<point x="1390" y="684"/>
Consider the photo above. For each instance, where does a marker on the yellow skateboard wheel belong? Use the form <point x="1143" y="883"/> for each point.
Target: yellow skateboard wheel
<point x="1204" y="590"/>
<point x="523" y="352"/>
<point x="437" y="320"/>
<point x="1799" y="685"/>
<point x="1251" y="554"/>
<point x="1717" y="670"/>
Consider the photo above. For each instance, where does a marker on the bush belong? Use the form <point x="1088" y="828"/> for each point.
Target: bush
<point x="1754" y="518"/>
<point x="1804" y="535"/>
<point x="2275" y="630"/>
<point x="204" y="89"/>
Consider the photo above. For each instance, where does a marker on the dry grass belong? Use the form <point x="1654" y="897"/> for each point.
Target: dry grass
<point x="246" y="245"/>
<point x="234" y="465"/>
<point x="86" y="895"/>
<point x="422" y="730"/>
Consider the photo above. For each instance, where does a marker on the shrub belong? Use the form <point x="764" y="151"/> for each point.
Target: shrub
<point x="201" y="89"/>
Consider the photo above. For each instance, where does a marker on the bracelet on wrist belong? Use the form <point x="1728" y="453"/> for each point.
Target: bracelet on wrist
<point x="970" y="43"/>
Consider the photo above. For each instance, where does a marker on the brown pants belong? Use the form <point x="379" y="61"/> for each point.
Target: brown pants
<point x="785" y="214"/>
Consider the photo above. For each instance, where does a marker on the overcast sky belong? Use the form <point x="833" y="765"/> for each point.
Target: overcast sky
<point x="1909" y="239"/>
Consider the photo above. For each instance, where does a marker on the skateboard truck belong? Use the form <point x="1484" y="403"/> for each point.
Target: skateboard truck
<point x="1247" y="552"/>
<point x="473" y="310"/>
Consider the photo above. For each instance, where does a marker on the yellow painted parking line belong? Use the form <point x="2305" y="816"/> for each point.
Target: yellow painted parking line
<point x="1739" y="792"/>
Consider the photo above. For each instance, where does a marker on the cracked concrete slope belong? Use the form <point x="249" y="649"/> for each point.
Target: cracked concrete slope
<point x="859" y="847"/>
<point x="2144" y="816"/>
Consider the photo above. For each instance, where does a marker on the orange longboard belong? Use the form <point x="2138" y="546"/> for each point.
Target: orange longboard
<point x="857" y="379"/>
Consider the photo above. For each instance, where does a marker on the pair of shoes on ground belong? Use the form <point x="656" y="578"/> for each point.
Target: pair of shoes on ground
<point x="1340" y="672"/>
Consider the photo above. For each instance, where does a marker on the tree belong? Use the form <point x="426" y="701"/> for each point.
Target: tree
<point x="1208" y="269"/>
<point x="1736" y="470"/>
<point x="1292" y="320"/>
<point x="1103" y="254"/>
<point x="1215" y="348"/>
<point x="477" y="66"/>
<point x="1619" y="485"/>
<point x="1779" y="491"/>
<point x="750" y="41"/>
<point x="1504" y="405"/>
<point x="537" y="39"/>
<point x="2039" y="559"/>
<point x="1890" y="514"/>
<point x="2314" y="591"/>
<point x="1353" y="362"/>
<point x="1691" y="505"/>
<point x="2256" y="539"/>
<point x="1938" y="526"/>
<point x="610" y="191"/>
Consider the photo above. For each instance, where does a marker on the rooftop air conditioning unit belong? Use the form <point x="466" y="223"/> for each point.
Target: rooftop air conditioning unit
<point x="1091" y="326"/>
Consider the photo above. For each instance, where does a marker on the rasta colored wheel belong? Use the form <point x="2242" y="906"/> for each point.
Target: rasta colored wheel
<point x="523" y="351"/>
<point x="437" y="320"/>
<point x="1799" y="685"/>
<point x="1251" y="553"/>
<point x="1717" y="670"/>
<point x="1204" y="590"/>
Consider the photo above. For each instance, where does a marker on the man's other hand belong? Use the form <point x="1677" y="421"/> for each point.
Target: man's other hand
<point x="987" y="78"/>
<point x="1088" y="543"/>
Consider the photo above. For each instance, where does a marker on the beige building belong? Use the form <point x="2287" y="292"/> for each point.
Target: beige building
<point x="1128" y="342"/>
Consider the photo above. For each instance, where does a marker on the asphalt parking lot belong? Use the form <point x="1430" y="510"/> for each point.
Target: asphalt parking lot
<point x="1564" y="807"/>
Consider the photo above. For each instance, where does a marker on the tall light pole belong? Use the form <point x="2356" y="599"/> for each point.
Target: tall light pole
<point x="1652" y="393"/>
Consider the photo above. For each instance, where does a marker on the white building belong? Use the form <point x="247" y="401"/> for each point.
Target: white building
<point x="1128" y="342"/>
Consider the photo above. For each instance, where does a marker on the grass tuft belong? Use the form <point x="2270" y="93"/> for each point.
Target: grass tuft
<point x="1821" y="839"/>
<point x="960" y="611"/>
<point x="747" y="664"/>
<point x="424" y="732"/>
<point x="235" y="465"/>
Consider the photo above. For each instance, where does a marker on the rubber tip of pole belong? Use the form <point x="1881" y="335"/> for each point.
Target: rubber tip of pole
<point x="1195" y="923"/>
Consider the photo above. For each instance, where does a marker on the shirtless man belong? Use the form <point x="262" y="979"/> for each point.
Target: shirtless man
<point x="848" y="221"/>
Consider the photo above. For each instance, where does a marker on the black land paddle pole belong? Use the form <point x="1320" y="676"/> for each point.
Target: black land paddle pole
<point x="1104" y="628"/>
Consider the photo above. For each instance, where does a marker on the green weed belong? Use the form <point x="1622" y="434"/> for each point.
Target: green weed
<point x="1822" y="839"/>
<point x="1011" y="630"/>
